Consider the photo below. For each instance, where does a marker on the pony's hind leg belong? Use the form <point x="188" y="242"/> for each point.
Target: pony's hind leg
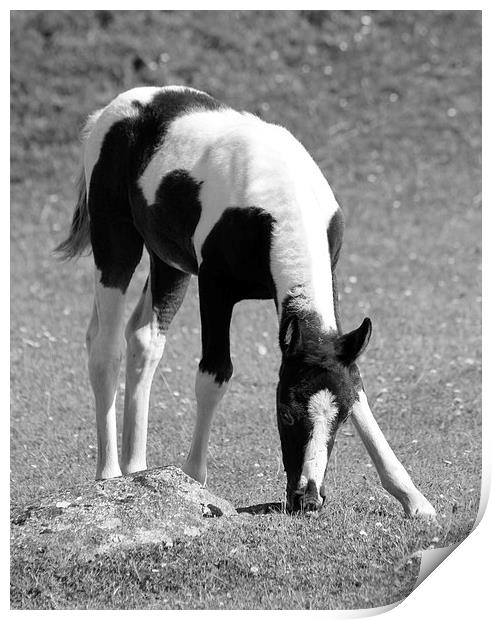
<point x="117" y="248"/>
<point x="104" y="339"/>
<point x="146" y="338"/>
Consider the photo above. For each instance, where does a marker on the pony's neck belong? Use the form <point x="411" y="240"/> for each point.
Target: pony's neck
<point x="314" y="308"/>
<point x="301" y="271"/>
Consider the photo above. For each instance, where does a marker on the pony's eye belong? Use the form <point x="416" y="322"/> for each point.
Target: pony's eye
<point x="286" y="415"/>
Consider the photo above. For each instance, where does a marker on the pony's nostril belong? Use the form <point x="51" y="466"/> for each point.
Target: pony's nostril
<point x="306" y="499"/>
<point x="311" y="504"/>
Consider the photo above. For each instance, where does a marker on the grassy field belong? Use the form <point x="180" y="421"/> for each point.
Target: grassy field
<point x="389" y="104"/>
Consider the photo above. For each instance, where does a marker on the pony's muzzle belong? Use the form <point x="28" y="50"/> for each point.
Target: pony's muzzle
<point x="305" y="499"/>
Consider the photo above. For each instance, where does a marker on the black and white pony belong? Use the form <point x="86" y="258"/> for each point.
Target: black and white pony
<point x="218" y="193"/>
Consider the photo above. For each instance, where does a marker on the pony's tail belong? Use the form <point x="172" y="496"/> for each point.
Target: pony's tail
<point x="78" y="241"/>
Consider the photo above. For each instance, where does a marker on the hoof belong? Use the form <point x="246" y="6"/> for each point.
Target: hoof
<point x="422" y="509"/>
<point x="195" y="473"/>
<point x="107" y="474"/>
<point x="133" y="468"/>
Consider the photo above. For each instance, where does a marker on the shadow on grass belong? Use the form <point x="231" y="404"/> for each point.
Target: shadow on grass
<point x="263" y="509"/>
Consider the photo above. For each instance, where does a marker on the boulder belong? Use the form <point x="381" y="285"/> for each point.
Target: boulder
<point x="157" y="506"/>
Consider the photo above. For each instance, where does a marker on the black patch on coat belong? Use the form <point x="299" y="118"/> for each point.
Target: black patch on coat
<point x="116" y="243"/>
<point x="237" y="249"/>
<point x="335" y="236"/>
<point x="235" y="266"/>
<point x="216" y="305"/>
<point x="169" y="223"/>
<point x="168" y="287"/>
<point x="335" y="241"/>
<point x="115" y="202"/>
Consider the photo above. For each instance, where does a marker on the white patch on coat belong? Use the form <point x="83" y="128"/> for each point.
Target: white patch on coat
<point x="187" y="144"/>
<point x="322" y="411"/>
<point x="243" y="161"/>
<point x="300" y="254"/>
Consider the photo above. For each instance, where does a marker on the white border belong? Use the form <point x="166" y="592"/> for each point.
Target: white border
<point x="461" y="584"/>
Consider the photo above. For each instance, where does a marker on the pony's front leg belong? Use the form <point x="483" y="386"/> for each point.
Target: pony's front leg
<point x="215" y="368"/>
<point x="393" y="475"/>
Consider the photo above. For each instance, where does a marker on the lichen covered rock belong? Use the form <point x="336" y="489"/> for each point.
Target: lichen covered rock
<point x="157" y="506"/>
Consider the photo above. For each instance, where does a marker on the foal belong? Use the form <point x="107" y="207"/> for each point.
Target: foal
<point x="239" y="202"/>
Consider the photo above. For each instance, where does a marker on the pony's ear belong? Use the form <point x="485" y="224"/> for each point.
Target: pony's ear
<point x="351" y="345"/>
<point x="291" y="337"/>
